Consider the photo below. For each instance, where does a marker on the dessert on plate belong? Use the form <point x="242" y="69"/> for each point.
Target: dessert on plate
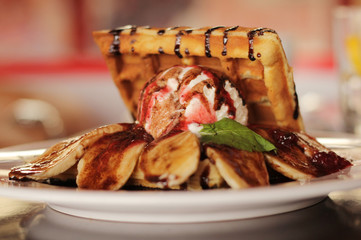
<point x="214" y="107"/>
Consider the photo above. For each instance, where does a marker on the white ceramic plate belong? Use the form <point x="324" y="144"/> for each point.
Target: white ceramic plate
<point x="183" y="206"/>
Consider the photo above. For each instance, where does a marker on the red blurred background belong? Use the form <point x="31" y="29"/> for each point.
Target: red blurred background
<point x="36" y="32"/>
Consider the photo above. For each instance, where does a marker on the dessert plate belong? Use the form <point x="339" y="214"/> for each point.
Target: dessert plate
<point x="182" y="206"/>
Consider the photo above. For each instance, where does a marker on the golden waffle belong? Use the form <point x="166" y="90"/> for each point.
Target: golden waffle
<point x="253" y="59"/>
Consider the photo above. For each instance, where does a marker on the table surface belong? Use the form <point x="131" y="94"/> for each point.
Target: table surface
<point x="329" y="219"/>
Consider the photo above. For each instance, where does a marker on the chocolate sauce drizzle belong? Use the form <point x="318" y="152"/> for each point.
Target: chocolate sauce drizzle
<point x="162" y="31"/>
<point x="204" y="180"/>
<point x="171" y="28"/>
<point x="207" y="34"/>
<point x="133" y="30"/>
<point x="296" y="111"/>
<point x="225" y="39"/>
<point x="188" y="31"/>
<point x="178" y="39"/>
<point x="115" y="46"/>
<point x="186" y="51"/>
<point x="251" y="34"/>
<point x="160" y="50"/>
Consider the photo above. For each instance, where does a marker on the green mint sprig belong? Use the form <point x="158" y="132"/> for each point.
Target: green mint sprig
<point x="234" y="134"/>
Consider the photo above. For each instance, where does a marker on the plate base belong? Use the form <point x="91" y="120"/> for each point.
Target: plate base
<point x="212" y="215"/>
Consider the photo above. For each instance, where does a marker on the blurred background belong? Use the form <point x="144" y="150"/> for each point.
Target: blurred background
<point x="54" y="82"/>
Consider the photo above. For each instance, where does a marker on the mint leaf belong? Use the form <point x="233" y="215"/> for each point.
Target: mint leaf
<point x="234" y="134"/>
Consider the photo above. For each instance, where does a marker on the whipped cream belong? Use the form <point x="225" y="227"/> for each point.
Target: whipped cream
<point x="241" y="108"/>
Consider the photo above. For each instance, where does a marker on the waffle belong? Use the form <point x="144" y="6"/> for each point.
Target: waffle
<point x="252" y="58"/>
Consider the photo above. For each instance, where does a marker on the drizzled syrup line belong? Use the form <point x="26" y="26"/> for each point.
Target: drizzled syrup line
<point x="160" y="50"/>
<point x="133" y="30"/>
<point x="207" y="34"/>
<point x="115" y="46"/>
<point x="172" y="28"/>
<point x="225" y="39"/>
<point x="121" y="29"/>
<point x="189" y="30"/>
<point x="251" y="34"/>
<point x="296" y="111"/>
<point x="178" y="39"/>
<point x="162" y="31"/>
